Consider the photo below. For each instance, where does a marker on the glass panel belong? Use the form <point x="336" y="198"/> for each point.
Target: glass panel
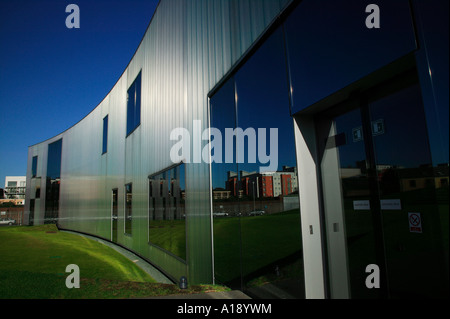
<point x="130" y="109"/>
<point x="408" y="196"/>
<point x="137" y="110"/>
<point x="225" y="189"/>
<point x="128" y="208"/>
<point x="34" y="167"/>
<point x="331" y="47"/>
<point x="166" y="211"/>
<point x="433" y="32"/>
<point x="105" y="135"/>
<point x="134" y="105"/>
<point x="114" y="214"/>
<point x="272" y="264"/>
<point x="433" y="63"/>
<point x="38" y="188"/>
<point x="348" y="202"/>
<point x="53" y="182"/>
<point x="31" y="217"/>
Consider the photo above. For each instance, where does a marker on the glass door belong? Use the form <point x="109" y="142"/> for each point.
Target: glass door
<point x="379" y="196"/>
<point x="410" y="220"/>
<point x="348" y="203"/>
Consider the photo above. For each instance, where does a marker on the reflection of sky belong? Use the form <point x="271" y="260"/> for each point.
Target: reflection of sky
<point x="404" y="141"/>
<point x="329" y="47"/>
<point x="263" y="102"/>
<point x="54" y="160"/>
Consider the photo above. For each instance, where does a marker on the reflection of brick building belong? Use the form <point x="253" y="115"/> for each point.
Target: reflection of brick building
<point x="268" y="184"/>
<point x="255" y="184"/>
<point x="286" y="184"/>
<point x="232" y="183"/>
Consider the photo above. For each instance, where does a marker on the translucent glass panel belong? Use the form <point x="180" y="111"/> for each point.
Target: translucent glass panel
<point x="166" y="210"/>
<point x="257" y="231"/>
<point x="330" y="45"/>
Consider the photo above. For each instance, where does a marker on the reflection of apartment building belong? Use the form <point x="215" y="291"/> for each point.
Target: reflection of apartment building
<point x="420" y="178"/>
<point x="15" y="187"/>
<point x="232" y="183"/>
<point x="267" y="184"/>
<point x="220" y="193"/>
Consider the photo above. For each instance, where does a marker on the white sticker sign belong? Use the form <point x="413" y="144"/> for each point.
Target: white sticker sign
<point x="415" y="222"/>
<point x="391" y="204"/>
<point x="361" y="205"/>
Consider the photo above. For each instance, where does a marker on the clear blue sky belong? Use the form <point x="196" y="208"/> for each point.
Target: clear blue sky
<point x="51" y="76"/>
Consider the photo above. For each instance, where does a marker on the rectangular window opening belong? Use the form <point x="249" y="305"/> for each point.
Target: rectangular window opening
<point x="128" y="208"/>
<point x="134" y="105"/>
<point x="105" y="135"/>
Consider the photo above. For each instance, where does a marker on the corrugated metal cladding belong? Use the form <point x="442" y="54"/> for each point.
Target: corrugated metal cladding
<point x="188" y="47"/>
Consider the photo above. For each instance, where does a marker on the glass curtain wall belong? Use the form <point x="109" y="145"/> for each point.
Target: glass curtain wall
<point x="256" y="216"/>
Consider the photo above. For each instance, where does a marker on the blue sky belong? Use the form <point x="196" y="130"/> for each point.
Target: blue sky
<point x="51" y="76"/>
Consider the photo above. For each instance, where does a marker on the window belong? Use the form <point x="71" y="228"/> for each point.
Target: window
<point x="346" y="50"/>
<point x="34" y="167"/>
<point x="166" y="211"/>
<point x="134" y="105"/>
<point x="53" y="182"/>
<point x="128" y="207"/>
<point x="38" y="188"/>
<point x="250" y="250"/>
<point x="31" y="216"/>
<point x="105" y="135"/>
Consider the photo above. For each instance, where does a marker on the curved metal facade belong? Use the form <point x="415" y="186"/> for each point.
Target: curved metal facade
<point x="187" y="49"/>
<point x="334" y="67"/>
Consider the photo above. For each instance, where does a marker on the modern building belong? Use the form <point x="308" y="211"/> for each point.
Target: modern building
<point x="15" y="187"/>
<point x="352" y="95"/>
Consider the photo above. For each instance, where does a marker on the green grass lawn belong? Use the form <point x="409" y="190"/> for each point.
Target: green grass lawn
<point x="33" y="262"/>
<point x="265" y="240"/>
